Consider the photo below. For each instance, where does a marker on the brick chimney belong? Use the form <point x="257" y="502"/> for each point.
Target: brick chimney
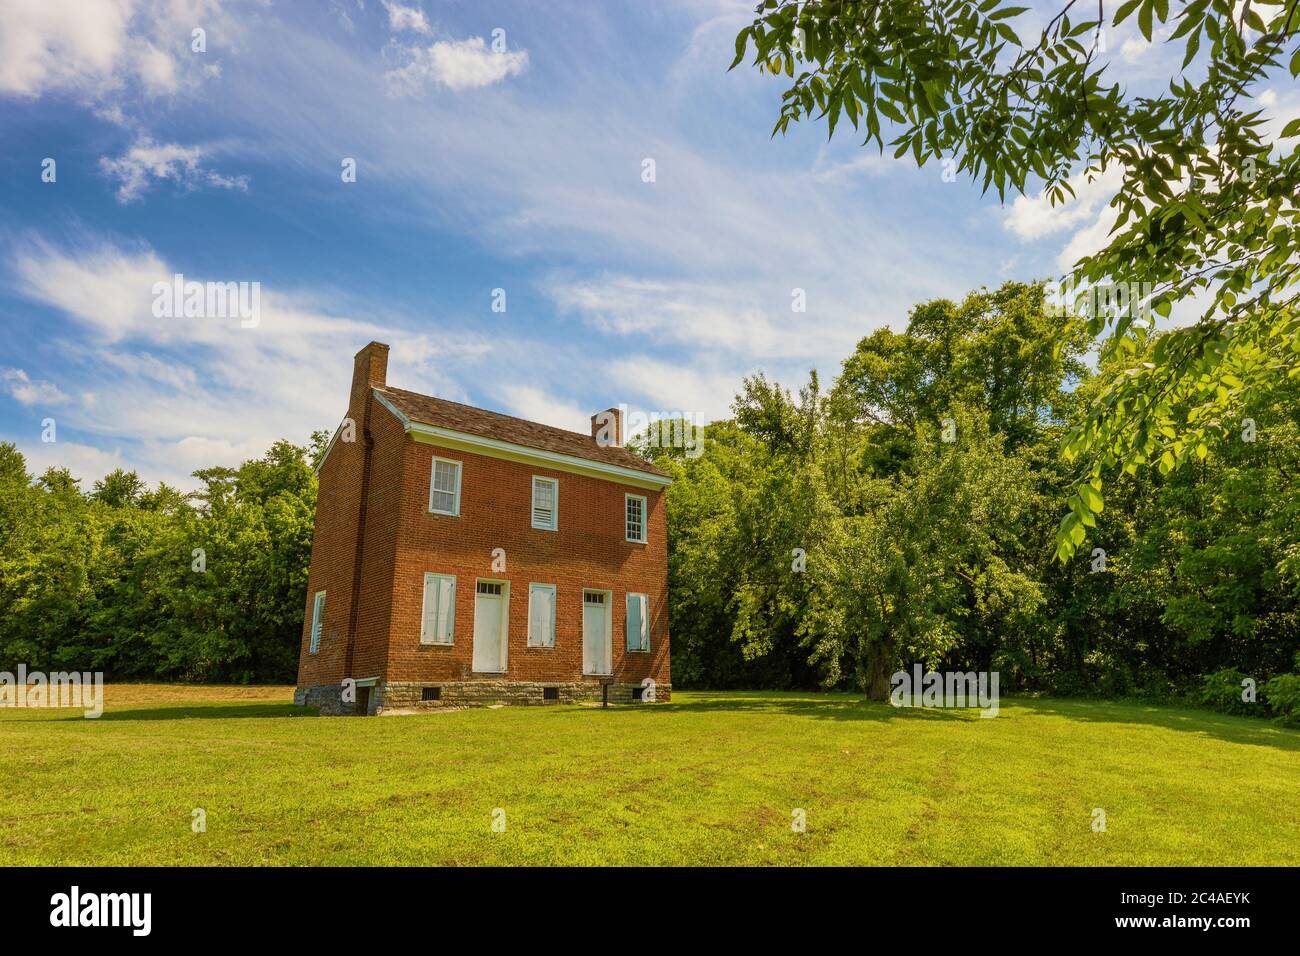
<point x="369" y="368"/>
<point x="607" y="427"/>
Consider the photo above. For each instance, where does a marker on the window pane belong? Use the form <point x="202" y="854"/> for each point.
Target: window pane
<point x="635" y="519"/>
<point x="444" y="486"/>
<point x="444" y="476"/>
<point x="544" y="503"/>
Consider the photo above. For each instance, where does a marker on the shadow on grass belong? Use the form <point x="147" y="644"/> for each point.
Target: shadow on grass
<point x="210" y="712"/>
<point x="1238" y="730"/>
<point x="816" y="706"/>
<point x="1241" y="730"/>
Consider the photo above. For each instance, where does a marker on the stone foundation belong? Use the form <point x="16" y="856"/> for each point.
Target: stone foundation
<point x="328" y="699"/>
<point x="407" y="695"/>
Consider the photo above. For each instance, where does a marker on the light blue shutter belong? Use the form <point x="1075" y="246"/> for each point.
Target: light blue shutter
<point x="635" y="621"/>
<point x="446" y="609"/>
<point x="439" y="609"/>
<point x="317" y="620"/>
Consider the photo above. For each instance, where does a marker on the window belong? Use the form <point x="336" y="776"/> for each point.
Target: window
<point x="490" y="587"/>
<point x="444" y="487"/>
<point x="546" y="494"/>
<point x="438" y="619"/>
<point x="317" y="621"/>
<point x="430" y="693"/>
<point x="635" y="518"/>
<point x="550" y="693"/>
<point x="541" y="615"/>
<point x="638" y="624"/>
<point x="593" y="597"/>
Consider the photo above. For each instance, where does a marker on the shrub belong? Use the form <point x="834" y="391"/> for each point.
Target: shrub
<point x="1221" y="691"/>
<point x="1283" y="696"/>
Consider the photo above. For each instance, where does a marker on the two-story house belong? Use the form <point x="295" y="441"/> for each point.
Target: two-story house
<point x="464" y="556"/>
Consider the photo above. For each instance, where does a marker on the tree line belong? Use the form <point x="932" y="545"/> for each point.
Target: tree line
<point x="156" y="584"/>
<point x="909" y="513"/>
<point x="826" y="537"/>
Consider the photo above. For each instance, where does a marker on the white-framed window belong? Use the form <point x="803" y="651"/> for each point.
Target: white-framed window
<point x="635" y="507"/>
<point x="638" y="622"/>
<point x="541" y="615"/>
<point x="438" y="617"/>
<point x="546" y="503"/>
<point x="317" y="621"/>
<point x="444" y="487"/>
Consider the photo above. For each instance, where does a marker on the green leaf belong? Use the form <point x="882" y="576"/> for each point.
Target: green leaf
<point x="1091" y="498"/>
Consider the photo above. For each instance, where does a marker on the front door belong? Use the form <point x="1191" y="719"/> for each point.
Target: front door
<point x="595" y="633"/>
<point x="489" y="627"/>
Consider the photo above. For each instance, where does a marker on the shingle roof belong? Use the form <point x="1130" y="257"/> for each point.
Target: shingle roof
<point x="478" y="421"/>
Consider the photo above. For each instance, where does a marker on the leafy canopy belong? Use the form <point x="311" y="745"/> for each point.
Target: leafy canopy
<point x="1206" y="209"/>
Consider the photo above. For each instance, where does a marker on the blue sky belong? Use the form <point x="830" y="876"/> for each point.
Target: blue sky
<point x="519" y="169"/>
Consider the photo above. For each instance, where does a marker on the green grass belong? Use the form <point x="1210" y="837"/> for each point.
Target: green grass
<point x="712" y="778"/>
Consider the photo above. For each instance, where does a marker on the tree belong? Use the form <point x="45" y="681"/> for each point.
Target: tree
<point x="1207" y="205"/>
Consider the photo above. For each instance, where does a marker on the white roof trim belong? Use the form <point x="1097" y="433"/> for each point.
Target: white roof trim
<point x="553" y="458"/>
<point x="328" y="448"/>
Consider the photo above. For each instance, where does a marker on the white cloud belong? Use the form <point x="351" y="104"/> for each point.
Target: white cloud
<point x="405" y="18"/>
<point x="455" y="64"/>
<point x="1087" y="215"/>
<point x="1032" y="217"/>
<point x="1280" y="109"/>
<point x="157" y="69"/>
<point x="867" y="162"/>
<point x="58" y="45"/>
<point x="536" y="405"/>
<point x="754" y="321"/>
<point x="1133" y="49"/>
<point x="100" y="49"/>
<point x="85" y="462"/>
<point x="28" y="392"/>
<point x="147" y="161"/>
<point x="669" y="388"/>
<point x="175" y="394"/>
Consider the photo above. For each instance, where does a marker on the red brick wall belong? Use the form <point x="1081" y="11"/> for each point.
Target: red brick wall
<point x="587" y="550"/>
<point x="403" y="541"/>
<point x="338" y="518"/>
<point x="333" y="552"/>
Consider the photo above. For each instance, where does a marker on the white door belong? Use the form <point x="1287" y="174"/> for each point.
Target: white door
<point x="489" y="627"/>
<point x="595" y="633"/>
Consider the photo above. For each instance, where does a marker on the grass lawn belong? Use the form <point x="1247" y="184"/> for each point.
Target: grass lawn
<point x="712" y="778"/>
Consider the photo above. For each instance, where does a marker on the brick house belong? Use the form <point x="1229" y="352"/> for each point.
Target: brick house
<point x="464" y="556"/>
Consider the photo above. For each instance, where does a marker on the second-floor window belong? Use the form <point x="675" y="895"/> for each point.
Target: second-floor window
<point x="444" y="487"/>
<point x="546" y="495"/>
<point x="635" y="518"/>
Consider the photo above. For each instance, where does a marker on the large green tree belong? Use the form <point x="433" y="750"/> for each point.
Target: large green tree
<point x="1207" y="206"/>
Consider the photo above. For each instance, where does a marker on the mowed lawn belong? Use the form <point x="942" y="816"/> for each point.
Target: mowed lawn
<point x="712" y="778"/>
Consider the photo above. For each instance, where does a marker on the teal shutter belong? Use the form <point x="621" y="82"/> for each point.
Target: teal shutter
<point x="635" y="621"/>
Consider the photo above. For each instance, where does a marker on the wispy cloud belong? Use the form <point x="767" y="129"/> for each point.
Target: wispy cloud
<point x="147" y="162"/>
<point x="402" y="18"/>
<point x="28" y="392"/>
<point x="176" y="390"/>
<point x="454" y="64"/>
